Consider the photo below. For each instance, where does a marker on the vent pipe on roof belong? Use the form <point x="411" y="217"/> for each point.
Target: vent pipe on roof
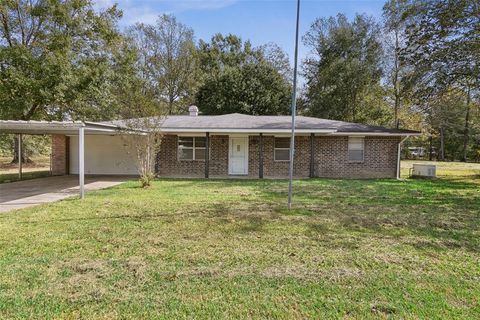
<point x="193" y="110"/>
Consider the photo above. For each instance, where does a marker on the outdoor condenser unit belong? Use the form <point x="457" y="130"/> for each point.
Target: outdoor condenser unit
<point x="424" y="170"/>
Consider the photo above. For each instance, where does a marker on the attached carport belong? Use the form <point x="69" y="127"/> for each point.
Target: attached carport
<point x="67" y="128"/>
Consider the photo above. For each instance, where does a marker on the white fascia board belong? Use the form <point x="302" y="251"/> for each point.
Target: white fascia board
<point x="245" y="131"/>
<point x="375" y="134"/>
<point x="38" y="127"/>
<point x="101" y="127"/>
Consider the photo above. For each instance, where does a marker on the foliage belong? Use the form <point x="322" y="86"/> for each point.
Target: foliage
<point x="443" y="47"/>
<point x="146" y="179"/>
<point x="239" y="78"/>
<point x="396" y="70"/>
<point x="278" y="58"/>
<point x="343" y="71"/>
<point x="54" y="59"/>
<point x="166" y="60"/>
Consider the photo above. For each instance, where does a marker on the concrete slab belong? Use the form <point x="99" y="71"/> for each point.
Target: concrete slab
<point x="22" y="194"/>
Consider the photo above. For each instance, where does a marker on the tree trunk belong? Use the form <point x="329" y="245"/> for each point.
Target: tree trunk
<point x="396" y="80"/>
<point x="25" y="158"/>
<point x="430" y="152"/>
<point x="442" y="145"/>
<point x="466" y="130"/>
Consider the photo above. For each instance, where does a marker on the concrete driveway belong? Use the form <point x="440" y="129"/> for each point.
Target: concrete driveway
<point x="22" y="194"/>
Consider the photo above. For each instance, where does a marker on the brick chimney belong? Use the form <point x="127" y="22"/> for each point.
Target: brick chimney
<point x="193" y="110"/>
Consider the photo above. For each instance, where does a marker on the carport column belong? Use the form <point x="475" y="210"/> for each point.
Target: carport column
<point x="20" y="164"/>
<point x="312" y="155"/>
<point x="260" y="157"/>
<point x="81" y="160"/>
<point x="207" y="153"/>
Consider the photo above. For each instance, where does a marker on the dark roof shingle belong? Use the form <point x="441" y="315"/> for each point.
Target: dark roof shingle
<point x="237" y="121"/>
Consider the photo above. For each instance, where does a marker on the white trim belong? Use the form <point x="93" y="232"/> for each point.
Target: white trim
<point x="81" y="161"/>
<point x="62" y="127"/>
<point x="245" y="131"/>
<point x="399" y="149"/>
<point x="230" y="154"/>
<point x="192" y="134"/>
<point x="375" y="134"/>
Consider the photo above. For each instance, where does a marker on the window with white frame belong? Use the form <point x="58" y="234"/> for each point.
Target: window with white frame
<point x="282" y="149"/>
<point x="191" y="148"/>
<point x="356" y="147"/>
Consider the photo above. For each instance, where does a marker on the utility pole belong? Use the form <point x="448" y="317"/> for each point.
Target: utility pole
<point x="294" y="110"/>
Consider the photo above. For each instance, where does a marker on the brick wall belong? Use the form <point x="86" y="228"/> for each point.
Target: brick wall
<point x="59" y="154"/>
<point x="330" y="160"/>
<point x="169" y="165"/>
<point x="272" y="168"/>
<point x="380" y="158"/>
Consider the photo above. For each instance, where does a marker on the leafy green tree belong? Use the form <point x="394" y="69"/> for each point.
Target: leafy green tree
<point x="239" y="78"/>
<point x="443" y="45"/>
<point x="396" y="70"/>
<point x="167" y="60"/>
<point x="278" y="58"/>
<point x="343" y="71"/>
<point x="55" y="59"/>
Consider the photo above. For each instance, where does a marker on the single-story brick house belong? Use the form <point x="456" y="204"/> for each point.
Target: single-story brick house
<point x="238" y="145"/>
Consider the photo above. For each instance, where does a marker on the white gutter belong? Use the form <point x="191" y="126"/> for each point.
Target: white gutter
<point x="375" y="134"/>
<point x="224" y="130"/>
<point x="398" y="156"/>
<point x="60" y="127"/>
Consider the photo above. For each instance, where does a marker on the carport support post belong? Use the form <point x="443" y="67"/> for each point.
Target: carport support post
<point x="312" y="155"/>
<point x="207" y="153"/>
<point x="81" y="160"/>
<point x="20" y="163"/>
<point x="260" y="157"/>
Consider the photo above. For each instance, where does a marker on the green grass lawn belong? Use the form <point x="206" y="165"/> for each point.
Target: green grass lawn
<point x="230" y="249"/>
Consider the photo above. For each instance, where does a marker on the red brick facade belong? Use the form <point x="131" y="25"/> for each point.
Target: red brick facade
<point x="59" y="154"/>
<point x="380" y="158"/>
<point x="169" y="165"/>
<point x="330" y="158"/>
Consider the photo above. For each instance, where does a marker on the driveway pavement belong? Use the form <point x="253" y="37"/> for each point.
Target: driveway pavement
<point x="22" y="194"/>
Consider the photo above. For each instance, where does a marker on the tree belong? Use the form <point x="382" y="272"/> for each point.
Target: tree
<point x="55" y="60"/>
<point x="394" y="42"/>
<point x="239" y="78"/>
<point x="137" y="103"/>
<point x="443" y="45"/>
<point x="343" y="71"/>
<point x="445" y="120"/>
<point x="277" y="58"/>
<point x="53" y="57"/>
<point x="167" y="59"/>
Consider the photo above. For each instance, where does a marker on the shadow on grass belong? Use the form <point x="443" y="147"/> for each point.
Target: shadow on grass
<point x="444" y="214"/>
<point x="446" y="211"/>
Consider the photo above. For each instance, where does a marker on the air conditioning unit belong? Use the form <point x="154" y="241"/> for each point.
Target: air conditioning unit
<point x="424" y="170"/>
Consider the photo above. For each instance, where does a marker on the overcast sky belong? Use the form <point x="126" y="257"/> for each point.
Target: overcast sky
<point x="261" y="21"/>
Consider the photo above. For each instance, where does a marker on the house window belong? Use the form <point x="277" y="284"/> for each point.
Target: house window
<point x="191" y="148"/>
<point x="282" y="149"/>
<point x="356" y="146"/>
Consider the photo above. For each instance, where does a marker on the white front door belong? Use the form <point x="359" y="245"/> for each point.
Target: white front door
<point x="238" y="155"/>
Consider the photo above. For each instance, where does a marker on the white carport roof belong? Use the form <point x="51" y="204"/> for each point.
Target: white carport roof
<point x="66" y="128"/>
<point x="61" y="127"/>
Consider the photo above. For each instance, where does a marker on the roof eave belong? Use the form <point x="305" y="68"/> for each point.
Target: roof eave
<point x="372" y="134"/>
<point x="253" y="130"/>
